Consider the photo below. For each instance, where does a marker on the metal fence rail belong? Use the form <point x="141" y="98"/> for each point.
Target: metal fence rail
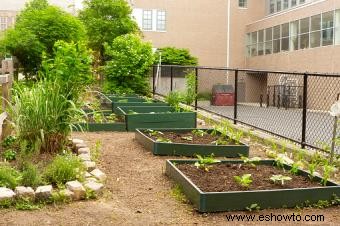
<point x="290" y="105"/>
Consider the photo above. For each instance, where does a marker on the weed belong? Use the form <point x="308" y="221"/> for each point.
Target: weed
<point x="177" y="193"/>
<point x="95" y="151"/>
<point x="26" y="204"/>
<point x="253" y="207"/>
<point x="31" y="176"/>
<point x="9" y="177"/>
<point x="9" y="155"/>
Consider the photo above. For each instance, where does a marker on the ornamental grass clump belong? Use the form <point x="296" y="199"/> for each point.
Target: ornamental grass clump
<point x="43" y="116"/>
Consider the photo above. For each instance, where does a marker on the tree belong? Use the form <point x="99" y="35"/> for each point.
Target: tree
<point x="38" y="27"/>
<point x="129" y="64"/>
<point x="175" y="56"/>
<point x="105" y="20"/>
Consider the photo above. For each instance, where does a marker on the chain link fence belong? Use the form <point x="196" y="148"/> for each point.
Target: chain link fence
<point x="293" y="106"/>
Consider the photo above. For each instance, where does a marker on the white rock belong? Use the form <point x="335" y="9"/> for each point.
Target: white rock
<point x="85" y="157"/>
<point x="91" y="179"/>
<point x="6" y="194"/>
<point x="94" y="186"/>
<point x="77" y="141"/>
<point x="24" y="192"/>
<point x="81" y="145"/>
<point x="200" y="122"/>
<point x="98" y="174"/>
<point x="43" y="192"/>
<point x="84" y="150"/>
<point x="89" y="165"/>
<point x="77" y="188"/>
<point x="67" y="193"/>
<point x="87" y="175"/>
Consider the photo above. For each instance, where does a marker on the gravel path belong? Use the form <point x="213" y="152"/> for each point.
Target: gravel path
<point x="138" y="193"/>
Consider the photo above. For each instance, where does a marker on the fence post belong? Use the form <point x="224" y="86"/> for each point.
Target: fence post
<point x="153" y="80"/>
<point x="235" y="96"/>
<point x="196" y="87"/>
<point x="304" y="110"/>
<point x="171" y="78"/>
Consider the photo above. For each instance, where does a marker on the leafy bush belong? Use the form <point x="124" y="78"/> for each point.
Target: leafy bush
<point x="70" y="67"/>
<point x="36" y="30"/>
<point x="9" y="155"/>
<point x="174" y="98"/>
<point x="129" y="64"/>
<point x="190" y="92"/>
<point x="42" y="116"/>
<point x="31" y="176"/>
<point x="9" y="177"/>
<point x="175" y="56"/>
<point x="64" y="168"/>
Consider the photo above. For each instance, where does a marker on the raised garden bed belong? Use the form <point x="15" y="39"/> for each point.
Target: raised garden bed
<point x="157" y="117"/>
<point x="152" y="103"/>
<point x="216" y="190"/>
<point x="190" y="142"/>
<point x="102" y="124"/>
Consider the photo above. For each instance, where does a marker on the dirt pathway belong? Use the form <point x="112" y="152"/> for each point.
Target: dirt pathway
<point x="138" y="193"/>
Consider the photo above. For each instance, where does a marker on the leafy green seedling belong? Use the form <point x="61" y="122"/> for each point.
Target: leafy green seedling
<point x="280" y="178"/>
<point x="311" y="169"/>
<point x="205" y="162"/>
<point x="111" y="118"/>
<point x="9" y="155"/>
<point x="244" y="180"/>
<point x="199" y="132"/>
<point x="188" y="138"/>
<point x="154" y="132"/>
<point x="327" y="171"/>
<point x="98" y="117"/>
<point x="295" y="167"/>
<point x="220" y="141"/>
<point x="163" y="140"/>
<point x="253" y="207"/>
<point x="251" y="161"/>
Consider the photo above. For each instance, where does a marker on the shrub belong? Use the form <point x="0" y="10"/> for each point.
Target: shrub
<point x="70" y="68"/>
<point x="190" y="92"/>
<point x="174" y="98"/>
<point x="9" y="155"/>
<point x="175" y="56"/>
<point x="42" y="116"/>
<point x="9" y="177"/>
<point x="31" y="176"/>
<point x="36" y="30"/>
<point x="64" y="168"/>
<point x="129" y="64"/>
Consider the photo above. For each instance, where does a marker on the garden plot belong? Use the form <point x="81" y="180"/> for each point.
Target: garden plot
<point x="191" y="142"/>
<point x="157" y="117"/>
<point x="127" y="103"/>
<point x="249" y="184"/>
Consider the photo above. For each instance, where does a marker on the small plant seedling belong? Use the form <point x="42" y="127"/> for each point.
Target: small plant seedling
<point x="311" y="169"/>
<point x="154" y="132"/>
<point x="253" y="207"/>
<point x="188" y="138"/>
<point x="9" y="155"/>
<point x="220" y="141"/>
<point x="295" y="167"/>
<point x="214" y="131"/>
<point x="163" y="140"/>
<point x="327" y="170"/>
<point x="111" y="118"/>
<point x="98" y="117"/>
<point x="282" y="159"/>
<point x="280" y="178"/>
<point x="205" y="162"/>
<point x="199" y="132"/>
<point x="237" y="136"/>
<point x="244" y="180"/>
<point x="251" y="161"/>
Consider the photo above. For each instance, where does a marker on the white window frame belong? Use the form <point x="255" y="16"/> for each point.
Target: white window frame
<point x="149" y="25"/>
<point x="161" y="20"/>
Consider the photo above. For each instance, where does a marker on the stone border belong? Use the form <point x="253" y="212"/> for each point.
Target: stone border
<point x="94" y="179"/>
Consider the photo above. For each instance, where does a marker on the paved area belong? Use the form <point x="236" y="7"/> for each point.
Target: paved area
<point x="287" y="123"/>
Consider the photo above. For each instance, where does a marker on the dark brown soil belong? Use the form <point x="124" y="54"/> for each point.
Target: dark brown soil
<point x="220" y="177"/>
<point x="182" y="138"/>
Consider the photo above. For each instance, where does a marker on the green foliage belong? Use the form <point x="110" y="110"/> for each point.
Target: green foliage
<point x="106" y="20"/>
<point x="60" y="197"/>
<point x="163" y="140"/>
<point x="327" y="170"/>
<point x="31" y="176"/>
<point x="205" y="162"/>
<point x="190" y="92"/>
<point x="177" y="193"/>
<point x="174" y="99"/>
<point x="199" y="132"/>
<point x="9" y="155"/>
<point x="280" y="178"/>
<point x="70" y="67"/>
<point x="244" y="180"/>
<point x="129" y="62"/>
<point x="175" y="56"/>
<point x="251" y="161"/>
<point x="9" y="177"/>
<point x="253" y="207"/>
<point x="43" y="116"/>
<point x="27" y="204"/>
<point x="36" y="30"/>
<point x="154" y="132"/>
<point x="295" y="167"/>
<point x="8" y="141"/>
<point x="64" y="168"/>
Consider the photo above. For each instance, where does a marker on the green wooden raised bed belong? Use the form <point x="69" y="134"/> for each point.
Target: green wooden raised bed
<point x="157" y="117"/>
<point x="239" y="200"/>
<point x="126" y="99"/>
<point x="115" y="105"/>
<point x="180" y="149"/>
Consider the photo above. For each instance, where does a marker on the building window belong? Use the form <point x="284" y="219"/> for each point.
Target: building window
<point x="337" y="27"/>
<point x="285" y="37"/>
<point x="293" y="3"/>
<point x="304" y="33"/>
<point x="253" y="50"/>
<point x="293" y="35"/>
<point x="3" y="23"/>
<point x="276" y="39"/>
<point x="279" y="5"/>
<point x="327" y="28"/>
<point x="161" y="20"/>
<point x="285" y="4"/>
<point x="147" y="20"/>
<point x="272" y="6"/>
<point x="268" y="45"/>
<point x="315" y="34"/>
<point x="260" y="45"/>
<point x="242" y="3"/>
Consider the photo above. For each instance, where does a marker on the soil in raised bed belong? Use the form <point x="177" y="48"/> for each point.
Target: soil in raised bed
<point x="196" y="139"/>
<point x="220" y="177"/>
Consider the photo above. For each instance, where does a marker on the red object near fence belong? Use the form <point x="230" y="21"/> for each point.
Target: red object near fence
<point x="223" y="95"/>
